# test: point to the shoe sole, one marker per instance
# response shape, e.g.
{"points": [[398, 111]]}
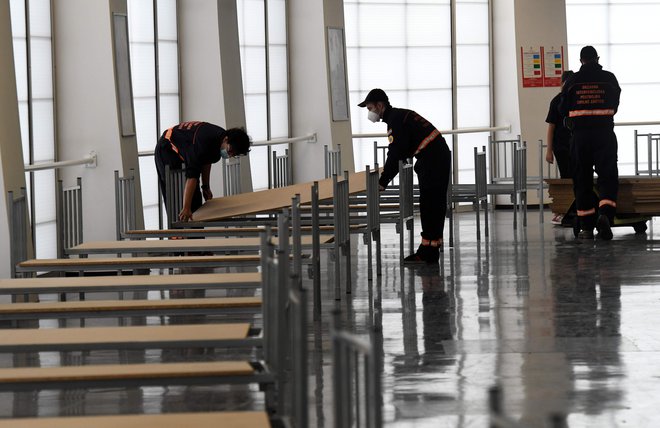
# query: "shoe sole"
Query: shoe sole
{"points": [[604, 228]]}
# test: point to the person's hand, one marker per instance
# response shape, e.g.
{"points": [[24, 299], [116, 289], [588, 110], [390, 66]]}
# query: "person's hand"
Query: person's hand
{"points": [[381, 188], [548, 157], [185, 214], [206, 192]]}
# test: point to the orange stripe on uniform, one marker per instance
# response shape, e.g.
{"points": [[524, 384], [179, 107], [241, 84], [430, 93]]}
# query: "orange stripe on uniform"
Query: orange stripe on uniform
{"points": [[599, 112], [607, 202], [425, 142], [168, 137], [584, 213]]}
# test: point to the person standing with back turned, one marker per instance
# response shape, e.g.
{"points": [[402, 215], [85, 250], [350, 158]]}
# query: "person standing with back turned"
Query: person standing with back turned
{"points": [[589, 101], [409, 135]]}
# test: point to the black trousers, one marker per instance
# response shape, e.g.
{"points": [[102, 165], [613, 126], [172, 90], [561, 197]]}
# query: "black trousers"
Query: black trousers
{"points": [[562, 152], [432, 168], [594, 149], [164, 155]]}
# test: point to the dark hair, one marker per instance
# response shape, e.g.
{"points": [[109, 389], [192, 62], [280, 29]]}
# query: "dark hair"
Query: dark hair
{"points": [[566, 75], [239, 140], [588, 53]]}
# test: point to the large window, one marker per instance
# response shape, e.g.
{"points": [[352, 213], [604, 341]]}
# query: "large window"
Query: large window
{"points": [[33, 61], [627, 40], [263, 45], [153, 40], [406, 49]]}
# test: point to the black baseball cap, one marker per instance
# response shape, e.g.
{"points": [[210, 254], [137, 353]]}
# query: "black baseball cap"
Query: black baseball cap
{"points": [[374, 96], [588, 53]]}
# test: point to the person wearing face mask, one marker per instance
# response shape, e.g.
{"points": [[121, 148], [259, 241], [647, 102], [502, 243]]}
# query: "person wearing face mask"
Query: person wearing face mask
{"points": [[197, 145], [409, 134]]}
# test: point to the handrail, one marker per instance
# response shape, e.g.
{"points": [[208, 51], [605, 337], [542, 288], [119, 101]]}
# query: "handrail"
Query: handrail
{"points": [[506, 128], [636, 123], [89, 162], [311, 138]]}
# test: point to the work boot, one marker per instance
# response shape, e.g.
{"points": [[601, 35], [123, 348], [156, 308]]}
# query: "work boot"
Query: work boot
{"points": [[586, 234], [425, 254], [604, 228]]}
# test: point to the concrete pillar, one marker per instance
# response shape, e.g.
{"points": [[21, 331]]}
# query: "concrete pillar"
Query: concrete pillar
{"points": [[11, 153], [88, 109], [310, 91], [211, 80]]}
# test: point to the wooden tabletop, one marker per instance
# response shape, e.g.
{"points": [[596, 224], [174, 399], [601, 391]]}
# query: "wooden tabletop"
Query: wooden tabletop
{"points": [[132, 334], [124, 282], [134, 305], [175, 245], [168, 420], [97, 372], [272, 199]]}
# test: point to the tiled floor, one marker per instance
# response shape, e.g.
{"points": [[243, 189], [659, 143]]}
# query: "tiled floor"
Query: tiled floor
{"points": [[563, 325]]}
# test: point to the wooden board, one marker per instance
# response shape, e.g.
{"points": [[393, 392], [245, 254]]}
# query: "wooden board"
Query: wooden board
{"points": [[168, 420], [132, 334], [272, 199], [175, 245], [97, 372], [129, 262], [637, 195], [130, 282], [133, 305]]}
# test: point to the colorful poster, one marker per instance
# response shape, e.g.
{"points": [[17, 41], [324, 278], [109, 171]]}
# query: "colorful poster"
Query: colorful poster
{"points": [[532, 75], [553, 65]]}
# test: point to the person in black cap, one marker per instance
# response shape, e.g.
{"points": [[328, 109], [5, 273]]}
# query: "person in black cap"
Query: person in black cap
{"points": [[589, 101], [197, 145], [409, 135]]}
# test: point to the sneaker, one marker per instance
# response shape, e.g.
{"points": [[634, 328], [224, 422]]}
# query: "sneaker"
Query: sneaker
{"points": [[604, 228], [556, 220], [586, 234], [424, 254]]}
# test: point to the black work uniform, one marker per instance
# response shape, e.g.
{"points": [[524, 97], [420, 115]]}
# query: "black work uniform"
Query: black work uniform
{"points": [[561, 138], [409, 135], [194, 144], [590, 99]]}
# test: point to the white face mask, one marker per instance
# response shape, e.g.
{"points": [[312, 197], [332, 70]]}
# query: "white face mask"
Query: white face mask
{"points": [[373, 116]]}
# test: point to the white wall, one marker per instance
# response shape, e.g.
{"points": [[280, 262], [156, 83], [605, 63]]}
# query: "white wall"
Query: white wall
{"points": [[309, 87], [11, 154], [87, 111]]}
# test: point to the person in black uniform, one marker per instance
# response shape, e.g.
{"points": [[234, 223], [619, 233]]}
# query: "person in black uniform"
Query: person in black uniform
{"points": [[558, 138], [409, 135], [589, 101], [197, 145]]}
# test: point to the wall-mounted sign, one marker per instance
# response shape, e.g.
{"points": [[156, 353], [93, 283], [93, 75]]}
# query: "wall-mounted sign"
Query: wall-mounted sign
{"points": [[532, 74], [553, 65]]}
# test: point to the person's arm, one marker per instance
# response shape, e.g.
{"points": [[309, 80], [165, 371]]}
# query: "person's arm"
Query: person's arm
{"points": [[395, 152], [549, 137], [206, 182], [188, 192]]}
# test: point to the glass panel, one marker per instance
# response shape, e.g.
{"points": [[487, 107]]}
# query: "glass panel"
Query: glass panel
{"points": [[254, 70], [145, 122], [17, 12], [169, 112], [41, 68], [167, 20], [45, 239], [278, 68], [40, 18], [259, 167], [143, 70], [279, 115], [251, 22], [428, 18], [277, 22], [255, 114], [429, 68], [472, 65], [20, 68], [43, 131], [373, 73], [44, 190], [384, 25], [140, 21], [168, 69], [471, 23]]}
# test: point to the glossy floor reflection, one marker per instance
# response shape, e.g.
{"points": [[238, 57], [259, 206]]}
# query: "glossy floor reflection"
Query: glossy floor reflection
{"points": [[563, 325]]}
